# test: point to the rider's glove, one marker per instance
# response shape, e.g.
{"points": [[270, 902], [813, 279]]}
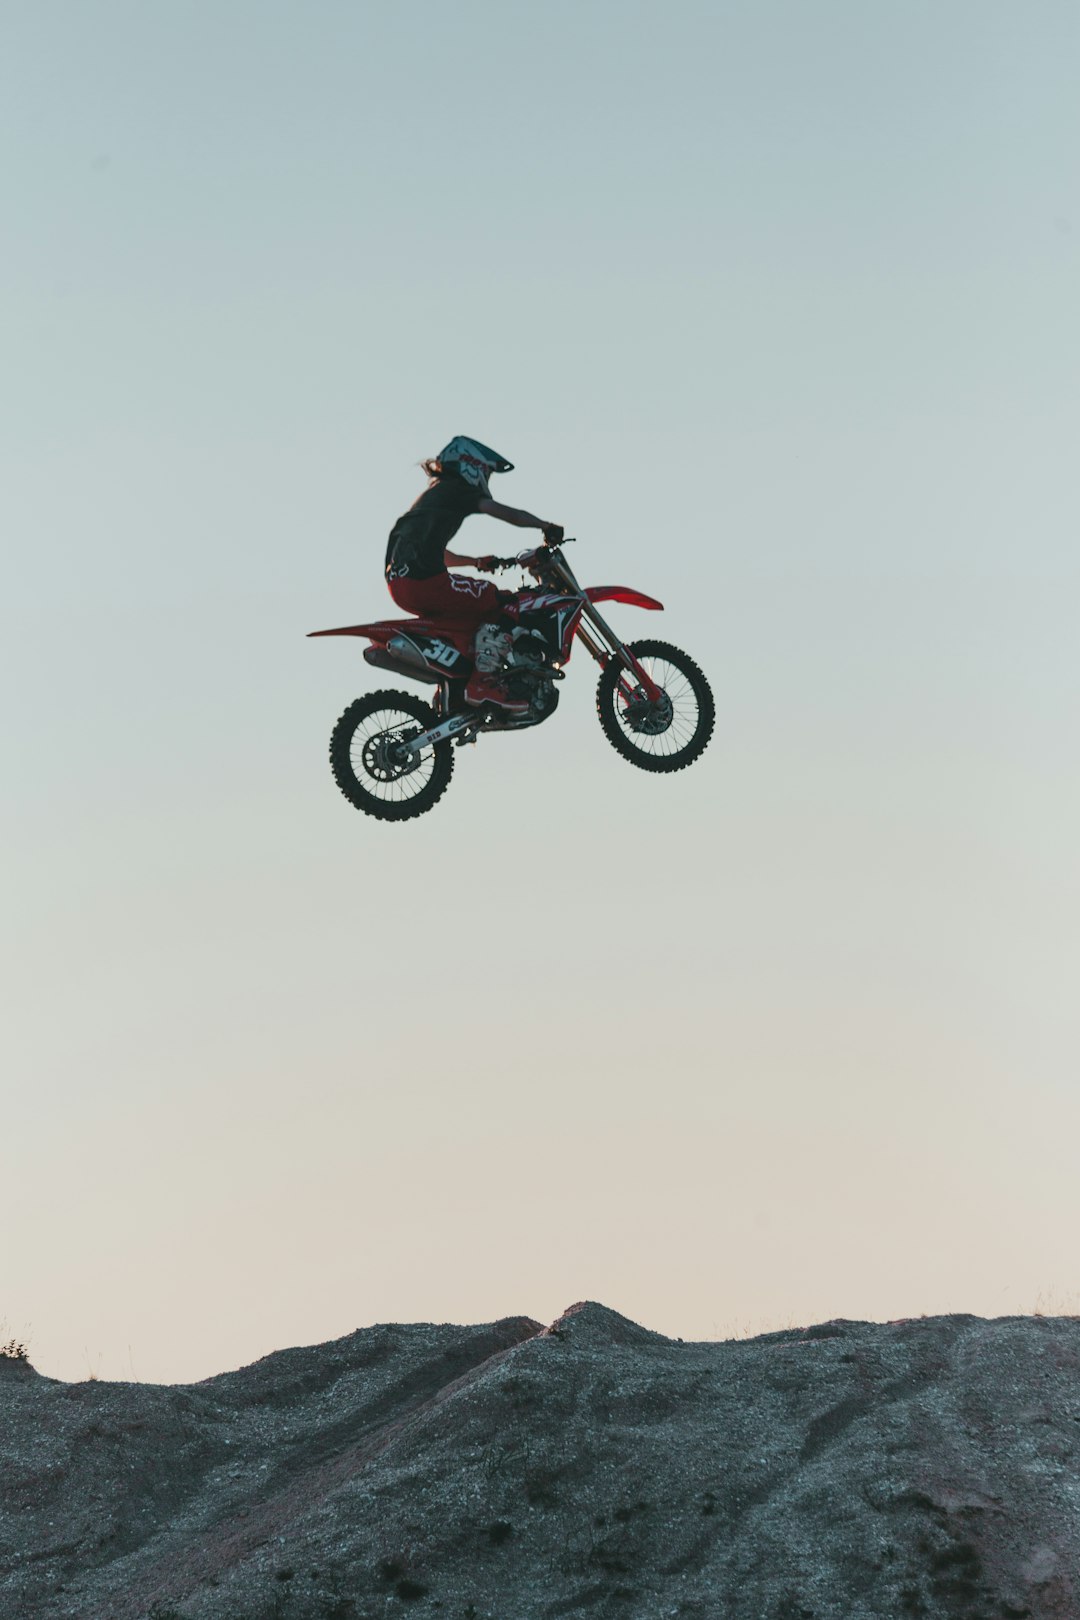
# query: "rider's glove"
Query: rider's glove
{"points": [[553, 533], [487, 565]]}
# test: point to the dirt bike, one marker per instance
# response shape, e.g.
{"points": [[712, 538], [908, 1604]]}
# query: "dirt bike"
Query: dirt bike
{"points": [[391, 753]]}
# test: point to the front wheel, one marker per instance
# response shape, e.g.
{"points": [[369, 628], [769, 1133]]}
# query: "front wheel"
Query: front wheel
{"points": [[658, 735], [372, 769]]}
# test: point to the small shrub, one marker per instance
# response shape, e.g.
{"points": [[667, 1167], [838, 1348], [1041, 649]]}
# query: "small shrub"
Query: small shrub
{"points": [[14, 1350], [540, 1483], [410, 1590], [956, 1572], [622, 1515]]}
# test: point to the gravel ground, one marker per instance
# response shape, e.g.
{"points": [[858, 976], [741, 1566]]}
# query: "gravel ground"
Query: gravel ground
{"points": [[853, 1470]]}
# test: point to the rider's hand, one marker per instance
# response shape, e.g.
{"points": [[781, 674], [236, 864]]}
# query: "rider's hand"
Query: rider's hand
{"points": [[487, 565], [553, 533]]}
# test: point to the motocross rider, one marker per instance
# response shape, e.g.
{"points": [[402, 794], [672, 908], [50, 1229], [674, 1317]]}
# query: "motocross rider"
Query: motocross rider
{"points": [[418, 560]]}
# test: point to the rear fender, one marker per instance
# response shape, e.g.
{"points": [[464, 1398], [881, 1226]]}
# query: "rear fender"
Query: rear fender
{"points": [[383, 631], [622, 593], [380, 631]]}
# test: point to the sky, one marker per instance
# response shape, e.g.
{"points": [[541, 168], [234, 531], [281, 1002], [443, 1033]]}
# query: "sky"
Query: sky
{"points": [[775, 307]]}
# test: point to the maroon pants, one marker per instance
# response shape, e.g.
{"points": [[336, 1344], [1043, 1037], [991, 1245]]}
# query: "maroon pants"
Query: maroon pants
{"points": [[452, 597]]}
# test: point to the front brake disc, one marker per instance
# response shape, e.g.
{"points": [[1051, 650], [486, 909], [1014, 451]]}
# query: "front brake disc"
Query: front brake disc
{"points": [[648, 719]]}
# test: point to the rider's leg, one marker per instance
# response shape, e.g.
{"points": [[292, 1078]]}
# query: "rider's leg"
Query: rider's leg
{"points": [[468, 602], [450, 596]]}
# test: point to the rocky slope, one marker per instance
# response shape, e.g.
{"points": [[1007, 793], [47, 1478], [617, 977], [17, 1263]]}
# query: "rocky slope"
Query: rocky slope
{"points": [[926, 1468]]}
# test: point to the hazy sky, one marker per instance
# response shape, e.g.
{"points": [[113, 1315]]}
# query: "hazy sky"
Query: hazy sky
{"points": [[776, 307]]}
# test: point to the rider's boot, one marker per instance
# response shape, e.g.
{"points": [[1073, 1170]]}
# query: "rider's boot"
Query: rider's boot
{"points": [[487, 687], [487, 684]]}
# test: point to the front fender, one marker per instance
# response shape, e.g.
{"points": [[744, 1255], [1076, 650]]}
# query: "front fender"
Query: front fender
{"points": [[622, 593]]}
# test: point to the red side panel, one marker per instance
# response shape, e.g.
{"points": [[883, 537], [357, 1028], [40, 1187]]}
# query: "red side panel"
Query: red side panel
{"points": [[621, 593]]}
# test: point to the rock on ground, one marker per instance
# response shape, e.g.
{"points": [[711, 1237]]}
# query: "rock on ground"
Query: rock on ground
{"points": [[851, 1470]]}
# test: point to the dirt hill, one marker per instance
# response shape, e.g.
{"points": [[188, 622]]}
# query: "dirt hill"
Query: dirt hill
{"points": [[850, 1470]]}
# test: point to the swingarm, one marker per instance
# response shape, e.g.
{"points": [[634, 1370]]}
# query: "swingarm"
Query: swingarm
{"points": [[451, 727]]}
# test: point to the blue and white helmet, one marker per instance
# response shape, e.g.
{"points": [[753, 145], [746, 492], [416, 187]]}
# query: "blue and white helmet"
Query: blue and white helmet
{"points": [[473, 461]]}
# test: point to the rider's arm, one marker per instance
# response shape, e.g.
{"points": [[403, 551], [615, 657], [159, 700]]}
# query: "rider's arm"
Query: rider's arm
{"points": [[513, 514], [508, 514]]}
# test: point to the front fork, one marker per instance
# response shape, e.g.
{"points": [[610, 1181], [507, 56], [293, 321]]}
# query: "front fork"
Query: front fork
{"points": [[615, 649]]}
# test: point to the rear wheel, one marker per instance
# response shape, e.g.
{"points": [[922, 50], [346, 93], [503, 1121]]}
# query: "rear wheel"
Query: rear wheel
{"points": [[659, 735], [372, 768]]}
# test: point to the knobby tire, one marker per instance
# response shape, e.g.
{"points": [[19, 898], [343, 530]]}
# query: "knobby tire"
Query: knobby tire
{"points": [[344, 768], [622, 738]]}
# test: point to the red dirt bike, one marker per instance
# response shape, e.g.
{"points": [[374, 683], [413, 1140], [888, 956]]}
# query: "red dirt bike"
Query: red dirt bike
{"points": [[391, 753]]}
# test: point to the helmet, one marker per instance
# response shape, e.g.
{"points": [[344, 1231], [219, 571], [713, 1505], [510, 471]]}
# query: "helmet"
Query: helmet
{"points": [[473, 461]]}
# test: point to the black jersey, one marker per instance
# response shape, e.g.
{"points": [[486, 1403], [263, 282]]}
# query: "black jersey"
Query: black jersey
{"points": [[421, 535]]}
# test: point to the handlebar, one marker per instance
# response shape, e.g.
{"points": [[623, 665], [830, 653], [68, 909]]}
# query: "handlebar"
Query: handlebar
{"points": [[524, 559]]}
